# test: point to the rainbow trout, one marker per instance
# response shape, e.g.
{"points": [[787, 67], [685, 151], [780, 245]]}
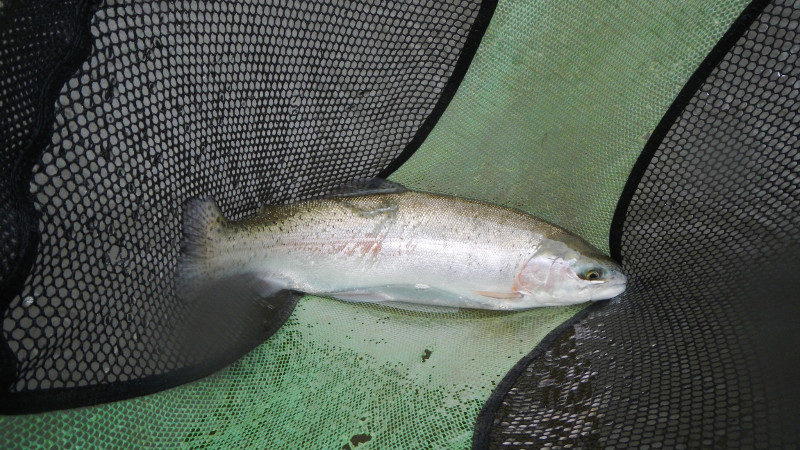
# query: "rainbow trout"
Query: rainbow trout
{"points": [[379, 242]]}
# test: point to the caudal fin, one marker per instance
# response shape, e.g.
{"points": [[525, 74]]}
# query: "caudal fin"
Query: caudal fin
{"points": [[202, 226], [225, 310]]}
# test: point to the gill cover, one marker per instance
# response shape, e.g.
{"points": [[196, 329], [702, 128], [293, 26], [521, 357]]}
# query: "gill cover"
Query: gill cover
{"points": [[558, 274]]}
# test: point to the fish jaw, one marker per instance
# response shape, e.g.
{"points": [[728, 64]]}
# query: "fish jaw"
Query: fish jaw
{"points": [[614, 286], [608, 291], [578, 294]]}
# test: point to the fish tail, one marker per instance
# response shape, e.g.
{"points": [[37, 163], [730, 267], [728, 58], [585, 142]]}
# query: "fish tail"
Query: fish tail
{"points": [[221, 304], [203, 223]]}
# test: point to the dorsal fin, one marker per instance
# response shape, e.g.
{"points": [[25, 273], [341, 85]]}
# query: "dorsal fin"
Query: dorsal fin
{"points": [[367, 186]]}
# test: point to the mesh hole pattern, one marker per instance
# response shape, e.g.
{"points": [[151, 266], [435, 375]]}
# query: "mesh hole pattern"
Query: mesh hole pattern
{"points": [[699, 351], [247, 102]]}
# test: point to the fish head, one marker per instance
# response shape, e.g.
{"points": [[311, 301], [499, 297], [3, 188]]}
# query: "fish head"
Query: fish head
{"points": [[569, 270]]}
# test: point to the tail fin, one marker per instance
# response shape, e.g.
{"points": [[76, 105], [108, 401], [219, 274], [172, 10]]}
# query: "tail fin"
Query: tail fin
{"points": [[202, 223], [223, 311], [202, 226]]}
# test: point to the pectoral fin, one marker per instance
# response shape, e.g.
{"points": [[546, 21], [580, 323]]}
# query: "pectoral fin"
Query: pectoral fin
{"points": [[500, 295]]}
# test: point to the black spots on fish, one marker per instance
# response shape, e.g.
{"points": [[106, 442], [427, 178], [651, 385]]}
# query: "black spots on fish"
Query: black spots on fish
{"points": [[368, 207], [426, 354], [357, 440]]}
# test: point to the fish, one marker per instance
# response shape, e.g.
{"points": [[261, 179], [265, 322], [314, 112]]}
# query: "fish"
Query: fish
{"points": [[379, 242]]}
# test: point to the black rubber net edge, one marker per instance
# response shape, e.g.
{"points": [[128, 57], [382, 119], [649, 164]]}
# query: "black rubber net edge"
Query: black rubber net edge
{"points": [[483, 425], [471, 45], [63, 398]]}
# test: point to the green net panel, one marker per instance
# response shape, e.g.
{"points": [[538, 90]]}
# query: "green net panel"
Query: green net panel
{"points": [[152, 103], [320, 383], [700, 352], [560, 101]]}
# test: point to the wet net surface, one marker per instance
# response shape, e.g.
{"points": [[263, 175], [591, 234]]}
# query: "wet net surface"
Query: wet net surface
{"points": [[247, 102], [699, 352]]}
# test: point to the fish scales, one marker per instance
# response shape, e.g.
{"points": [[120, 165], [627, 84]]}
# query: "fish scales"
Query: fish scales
{"points": [[408, 246]]}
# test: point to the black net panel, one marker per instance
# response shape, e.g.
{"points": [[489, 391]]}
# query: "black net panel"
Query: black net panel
{"points": [[27, 73], [700, 351], [248, 102]]}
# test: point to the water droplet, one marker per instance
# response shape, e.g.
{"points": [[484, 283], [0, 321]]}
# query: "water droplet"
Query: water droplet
{"points": [[106, 368], [28, 301], [113, 254], [116, 350]]}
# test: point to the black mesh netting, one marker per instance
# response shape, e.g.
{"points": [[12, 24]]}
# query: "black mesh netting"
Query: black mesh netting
{"points": [[27, 73], [700, 352], [138, 106]]}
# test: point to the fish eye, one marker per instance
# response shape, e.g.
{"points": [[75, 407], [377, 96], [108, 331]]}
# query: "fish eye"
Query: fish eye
{"points": [[592, 274]]}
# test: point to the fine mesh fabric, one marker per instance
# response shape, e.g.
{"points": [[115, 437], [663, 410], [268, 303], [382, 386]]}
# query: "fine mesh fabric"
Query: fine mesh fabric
{"points": [[560, 101], [246, 102], [701, 350]]}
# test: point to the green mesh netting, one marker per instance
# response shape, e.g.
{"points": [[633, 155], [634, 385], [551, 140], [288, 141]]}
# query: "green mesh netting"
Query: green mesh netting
{"points": [[333, 375], [551, 116], [560, 100]]}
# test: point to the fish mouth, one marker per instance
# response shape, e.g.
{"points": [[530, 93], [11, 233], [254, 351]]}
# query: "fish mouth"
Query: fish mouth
{"points": [[610, 289]]}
